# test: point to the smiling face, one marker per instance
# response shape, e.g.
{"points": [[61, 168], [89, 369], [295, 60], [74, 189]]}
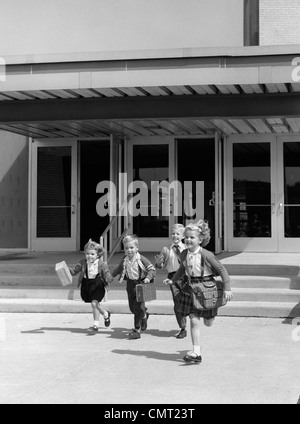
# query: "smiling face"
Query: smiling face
{"points": [[91, 255], [130, 249], [192, 240], [176, 236]]}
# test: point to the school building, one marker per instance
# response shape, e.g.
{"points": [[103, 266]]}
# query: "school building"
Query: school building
{"points": [[202, 92]]}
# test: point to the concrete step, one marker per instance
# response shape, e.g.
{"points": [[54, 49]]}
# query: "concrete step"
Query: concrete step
{"points": [[246, 281], [160, 307], [272, 270], [240, 294]]}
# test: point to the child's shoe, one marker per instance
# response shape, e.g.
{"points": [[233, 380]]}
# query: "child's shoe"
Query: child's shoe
{"points": [[95, 328], [144, 322], [107, 320], [134, 335], [182, 334], [192, 357]]}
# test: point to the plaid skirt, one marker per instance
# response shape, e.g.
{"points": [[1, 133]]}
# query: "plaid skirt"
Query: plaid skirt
{"points": [[185, 305]]}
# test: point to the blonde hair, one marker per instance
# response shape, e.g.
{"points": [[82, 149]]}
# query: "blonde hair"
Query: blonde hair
{"points": [[129, 238], [92, 245], [202, 228], [179, 228]]}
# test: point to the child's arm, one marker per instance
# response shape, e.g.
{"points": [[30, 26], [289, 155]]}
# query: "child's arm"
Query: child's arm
{"points": [[177, 276], [151, 271], [162, 258], [76, 268], [118, 270], [106, 274], [220, 270]]}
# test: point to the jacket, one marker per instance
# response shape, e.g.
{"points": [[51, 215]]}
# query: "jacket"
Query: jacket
{"points": [[80, 268]]}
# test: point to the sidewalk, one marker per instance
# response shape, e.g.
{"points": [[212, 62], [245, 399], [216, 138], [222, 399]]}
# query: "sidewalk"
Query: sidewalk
{"points": [[54, 359]]}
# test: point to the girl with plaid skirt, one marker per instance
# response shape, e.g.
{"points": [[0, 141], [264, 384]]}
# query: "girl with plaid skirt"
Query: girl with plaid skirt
{"points": [[192, 260]]}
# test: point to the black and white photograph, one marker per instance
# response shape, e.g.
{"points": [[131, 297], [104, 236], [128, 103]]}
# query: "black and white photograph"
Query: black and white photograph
{"points": [[150, 205]]}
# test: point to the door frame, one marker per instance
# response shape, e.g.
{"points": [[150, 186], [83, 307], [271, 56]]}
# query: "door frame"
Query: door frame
{"points": [[284, 244], [151, 244], [45, 243], [155, 244], [250, 244]]}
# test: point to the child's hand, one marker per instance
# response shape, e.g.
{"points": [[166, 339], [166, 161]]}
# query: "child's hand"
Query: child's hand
{"points": [[228, 295], [168, 282], [159, 260], [146, 280]]}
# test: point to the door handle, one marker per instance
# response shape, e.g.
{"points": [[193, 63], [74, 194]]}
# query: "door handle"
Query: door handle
{"points": [[280, 208]]}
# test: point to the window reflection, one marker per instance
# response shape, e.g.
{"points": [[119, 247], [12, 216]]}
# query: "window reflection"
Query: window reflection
{"points": [[251, 190]]}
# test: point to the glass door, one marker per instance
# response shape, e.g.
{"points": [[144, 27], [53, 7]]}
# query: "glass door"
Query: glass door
{"points": [[288, 207], [251, 194], [150, 176], [54, 195]]}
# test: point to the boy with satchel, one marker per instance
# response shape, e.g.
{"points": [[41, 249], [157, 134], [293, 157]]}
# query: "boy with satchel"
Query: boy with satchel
{"points": [[135, 268], [200, 296]]}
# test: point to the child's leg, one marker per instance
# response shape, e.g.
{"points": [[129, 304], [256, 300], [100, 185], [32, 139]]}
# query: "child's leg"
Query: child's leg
{"points": [[208, 322], [105, 314], [102, 310], [195, 330], [96, 313], [194, 356]]}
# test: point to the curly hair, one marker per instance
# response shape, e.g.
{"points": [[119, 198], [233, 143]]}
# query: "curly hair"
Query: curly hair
{"points": [[203, 230], [92, 245]]}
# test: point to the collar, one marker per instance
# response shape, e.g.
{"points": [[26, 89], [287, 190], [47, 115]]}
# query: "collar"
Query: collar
{"points": [[198, 250]]}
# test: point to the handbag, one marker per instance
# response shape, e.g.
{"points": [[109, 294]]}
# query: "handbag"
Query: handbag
{"points": [[145, 292], [208, 293]]}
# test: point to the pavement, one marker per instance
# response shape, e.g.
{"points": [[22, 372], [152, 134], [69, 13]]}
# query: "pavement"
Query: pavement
{"points": [[53, 358], [48, 355]]}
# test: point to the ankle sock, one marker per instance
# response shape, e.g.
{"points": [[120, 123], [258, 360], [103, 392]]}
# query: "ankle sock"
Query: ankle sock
{"points": [[96, 323], [197, 350]]}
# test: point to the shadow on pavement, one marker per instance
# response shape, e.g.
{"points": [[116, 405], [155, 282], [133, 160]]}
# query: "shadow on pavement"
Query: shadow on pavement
{"points": [[152, 354], [116, 333]]}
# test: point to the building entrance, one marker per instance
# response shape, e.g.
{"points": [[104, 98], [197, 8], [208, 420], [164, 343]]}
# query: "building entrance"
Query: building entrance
{"points": [[263, 193], [190, 168]]}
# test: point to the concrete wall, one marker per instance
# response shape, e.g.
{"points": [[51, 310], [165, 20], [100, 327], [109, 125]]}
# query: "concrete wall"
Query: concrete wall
{"points": [[13, 190], [60, 26], [279, 22]]}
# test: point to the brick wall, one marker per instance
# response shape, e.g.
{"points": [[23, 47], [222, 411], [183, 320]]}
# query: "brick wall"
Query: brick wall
{"points": [[279, 22]]}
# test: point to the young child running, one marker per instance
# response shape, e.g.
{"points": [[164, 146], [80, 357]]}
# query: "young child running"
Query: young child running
{"points": [[93, 280], [169, 258], [191, 266], [133, 268]]}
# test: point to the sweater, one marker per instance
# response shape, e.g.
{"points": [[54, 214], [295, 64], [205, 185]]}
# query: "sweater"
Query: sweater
{"points": [[211, 263], [147, 270]]}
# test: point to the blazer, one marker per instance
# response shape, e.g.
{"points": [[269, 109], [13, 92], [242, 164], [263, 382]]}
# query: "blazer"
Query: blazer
{"points": [[211, 263], [80, 268]]}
